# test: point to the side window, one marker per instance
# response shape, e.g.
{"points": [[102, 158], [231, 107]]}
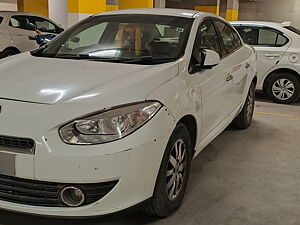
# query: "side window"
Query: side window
{"points": [[207, 38], [272, 38], [43, 24], [237, 39], [1, 19], [228, 37], [21, 22], [249, 35]]}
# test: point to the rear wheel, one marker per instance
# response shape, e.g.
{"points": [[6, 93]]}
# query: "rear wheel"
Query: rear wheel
{"points": [[9, 52], [244, 119], [283, 88], [173, 175]]}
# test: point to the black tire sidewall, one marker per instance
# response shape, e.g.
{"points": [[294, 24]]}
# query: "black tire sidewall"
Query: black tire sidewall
{"points": [[8, 53], [288, 76], [167, 206]]}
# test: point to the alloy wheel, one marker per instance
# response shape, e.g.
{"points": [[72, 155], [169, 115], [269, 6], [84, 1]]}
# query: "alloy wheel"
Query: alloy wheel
{"points": [[176, 171], [283, 89]]}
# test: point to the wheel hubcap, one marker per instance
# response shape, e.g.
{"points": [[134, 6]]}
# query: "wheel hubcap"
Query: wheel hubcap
{"points": [[283, 89], [176, 170]]}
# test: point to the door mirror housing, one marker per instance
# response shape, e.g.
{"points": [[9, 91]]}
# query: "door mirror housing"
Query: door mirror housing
{"points": [[209, 59]]}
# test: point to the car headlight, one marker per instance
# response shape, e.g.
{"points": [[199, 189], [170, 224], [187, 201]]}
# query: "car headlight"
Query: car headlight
{"points": [[109, 125]]}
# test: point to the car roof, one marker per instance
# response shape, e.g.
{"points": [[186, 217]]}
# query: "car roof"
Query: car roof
{"points": [[259, 23], [10, 13], [166, 12]]}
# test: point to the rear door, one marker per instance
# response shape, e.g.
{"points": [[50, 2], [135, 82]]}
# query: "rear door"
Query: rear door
{"points": [[270, 46], [237, 61]]}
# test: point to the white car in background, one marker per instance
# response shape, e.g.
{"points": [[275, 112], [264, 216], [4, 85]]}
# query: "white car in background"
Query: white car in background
{"points": [[278, 52], [17, 30], [111, 112]]}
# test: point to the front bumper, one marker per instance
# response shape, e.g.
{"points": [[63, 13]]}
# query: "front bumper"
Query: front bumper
{"points": [[134, 161]]}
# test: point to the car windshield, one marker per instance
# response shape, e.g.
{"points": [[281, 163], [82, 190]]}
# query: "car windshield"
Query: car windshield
{"points": [[295, 30], [138, 39]]}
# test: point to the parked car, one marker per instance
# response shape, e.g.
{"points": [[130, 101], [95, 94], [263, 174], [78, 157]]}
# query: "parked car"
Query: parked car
{"points": [[278, 50], [17, 30], [130, 97]]}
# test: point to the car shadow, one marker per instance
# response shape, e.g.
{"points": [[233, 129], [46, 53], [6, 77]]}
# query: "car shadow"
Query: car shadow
{"points": [[263, 98]]}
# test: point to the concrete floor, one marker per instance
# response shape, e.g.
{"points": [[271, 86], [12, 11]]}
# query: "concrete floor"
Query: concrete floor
{"points": [[249, 177]]}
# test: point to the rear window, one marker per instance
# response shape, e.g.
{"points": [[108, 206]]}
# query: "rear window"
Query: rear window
{"points": [[1, 19], [295, 30]]}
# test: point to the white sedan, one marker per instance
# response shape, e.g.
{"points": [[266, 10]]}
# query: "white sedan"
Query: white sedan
{"points": [[111, 113], [278, 51], [18, 29]]}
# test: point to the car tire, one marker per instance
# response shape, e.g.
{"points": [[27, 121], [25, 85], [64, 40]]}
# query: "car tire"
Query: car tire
{"points": [[244, 119], [281, 85], [8, 53], [168, 194]]}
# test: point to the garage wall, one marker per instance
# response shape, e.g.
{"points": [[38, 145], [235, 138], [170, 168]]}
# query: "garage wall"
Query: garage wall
{"points": [[133, 4], [8, 5], [34, 6], [271, 10]]}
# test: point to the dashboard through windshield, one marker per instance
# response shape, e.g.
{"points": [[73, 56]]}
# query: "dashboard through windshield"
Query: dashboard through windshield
{"points": [[140, 39]]}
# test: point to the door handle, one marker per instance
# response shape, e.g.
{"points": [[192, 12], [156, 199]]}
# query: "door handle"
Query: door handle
{"points": [[272, 56], [229, 77]]}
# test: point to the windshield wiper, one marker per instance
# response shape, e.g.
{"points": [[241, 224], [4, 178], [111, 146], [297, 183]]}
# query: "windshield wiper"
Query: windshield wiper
{"points": [[145, 59]]}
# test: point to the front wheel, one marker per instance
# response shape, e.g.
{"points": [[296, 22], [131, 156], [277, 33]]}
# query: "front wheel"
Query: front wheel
{"points": [[244, 119], [8, 53], [173, 175], [283, 88]]}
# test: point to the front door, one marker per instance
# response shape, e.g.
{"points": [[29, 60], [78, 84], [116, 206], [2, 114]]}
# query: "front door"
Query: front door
{"points": [[214, 83]]}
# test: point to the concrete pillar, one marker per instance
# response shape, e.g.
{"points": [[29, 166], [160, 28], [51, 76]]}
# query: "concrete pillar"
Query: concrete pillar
{"points": [[134, 4], [232, 12], [58, 10], [209, 6], [81, 9], [34, 6], [160, 4]]}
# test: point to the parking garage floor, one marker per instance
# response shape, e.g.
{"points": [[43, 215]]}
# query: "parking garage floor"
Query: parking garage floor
{"points": [[249, 177]]}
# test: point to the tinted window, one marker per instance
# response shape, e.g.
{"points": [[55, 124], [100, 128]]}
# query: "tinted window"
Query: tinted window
{"points": [[1, 19], [249, 35], [43, 25], [21, 22], [295, 30], [262, 36], [228, 36], [207, 38]]}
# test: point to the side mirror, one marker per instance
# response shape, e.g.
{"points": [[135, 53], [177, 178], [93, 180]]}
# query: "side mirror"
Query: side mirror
{"points": [[209, 59], [75, 39]]}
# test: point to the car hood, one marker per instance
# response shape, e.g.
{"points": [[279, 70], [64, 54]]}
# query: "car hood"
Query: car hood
{"points": [[53, 81]]}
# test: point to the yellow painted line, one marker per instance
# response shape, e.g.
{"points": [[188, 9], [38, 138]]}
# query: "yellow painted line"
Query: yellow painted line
{"points": [[278, 115]]}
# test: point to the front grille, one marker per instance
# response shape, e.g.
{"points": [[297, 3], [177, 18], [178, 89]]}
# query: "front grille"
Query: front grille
{"points": [[22, 145], [47, 194]]}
